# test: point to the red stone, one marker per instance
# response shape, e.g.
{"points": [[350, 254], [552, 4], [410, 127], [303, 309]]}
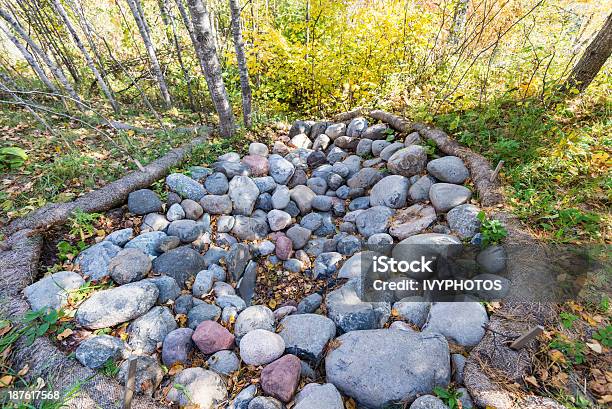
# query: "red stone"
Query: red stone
{"points": [[284, 247], [280, 379], [258, 164], [211, 337]]}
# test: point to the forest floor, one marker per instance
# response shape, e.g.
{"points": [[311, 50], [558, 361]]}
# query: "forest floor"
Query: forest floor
{"points": [[556, 177]]}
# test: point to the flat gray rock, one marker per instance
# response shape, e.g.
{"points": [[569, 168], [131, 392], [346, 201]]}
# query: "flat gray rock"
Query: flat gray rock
{"points": [[177, 347], [391, 191], [260, 347], [315, 396], [224, 362], [349, 313], [180, 263], [306, 335], [408, 161], [167, 286], [243, 192], [460, 322], [380, 367], [374, 220], [96, 351], [94, 260], [144, 201], [412, 220], [428, 402], [419, 191], [185, 186], [249, 228], [217, 204], [114, 306], [149, 330], [445, 196], [52, 291], [448, 169], [356, 127], [216, 184], [365, 178], [280, 169], [463, 220], [202, 312], [120, 237], [129, 265]]}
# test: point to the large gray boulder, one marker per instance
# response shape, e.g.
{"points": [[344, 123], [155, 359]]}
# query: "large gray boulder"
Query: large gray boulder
{"points": [[306, 335], [391, 191], [381, 367], [96, 351], [148, 331], [147, 242], [180, 263], [144, 201], [463, 220], [280, 169], [412, 220], [52, 291], [374, 220], [243, 192], [114, 306], [460, 322], [408, 161], [448, 169]]}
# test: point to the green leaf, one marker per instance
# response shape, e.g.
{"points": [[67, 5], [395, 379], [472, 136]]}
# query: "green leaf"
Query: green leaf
{"points": [[14, 151]]}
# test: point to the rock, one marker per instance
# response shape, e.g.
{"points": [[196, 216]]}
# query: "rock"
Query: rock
{"points": [[283, 247], [244, 397], [458, 363], [199, 173], [306, 335], [356, 127], [217, 184], [216, 204], [346, 143], [374, 132], [211, 337], [299, 127], [335, 130], [415, 312], [144, 201], [322, 203], [148, 374], [376, 241], [214, 255], [378, 146], [231, 169], [448, 169], [315, 396], [429, 245], [492, 259], [264, 402], [187, 230], [401, 326], [256, 148], [391, 191], [260, 347], [463, 220], [150, 329], [408, 161], [327, 227], [336, 154], [280, 379], [321, 143], [445, 196], [347, 227], [359, 203], [120, 237], [460, 322], [258, 165], [312, 221], [317, 184], [228, 316], [428, 402], [348, 245], [386, 153], [175, 212], [198, 387], [254, 317], [249, 228], [280, 148], [364, 147], [224, 362], [303, 197], [246, 285], [315, 159], [177, 347], [299, 236], [373, 163], [412, 220], [349, 313], [153, 222], [95, 260], [278, 220], [225, 224], [466, 400], [365, 178], [52, 291], [180, 264], [129, 265], [192, 209], [185, 186], [280, 198], [265, 184], [326, 264], [222, 289], [237, 259], [419, 191], [281, 169], [230, 157], [172, 198], [230, 300], [310, 304], [96, 351], [202, 312], [114, 306], [203, 283], [334, 181], [243, 192], [374, 220], [372, 366], [301, 141]]}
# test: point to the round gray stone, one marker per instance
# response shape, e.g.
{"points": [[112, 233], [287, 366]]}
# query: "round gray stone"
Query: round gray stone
{"points": [[448, 169]]}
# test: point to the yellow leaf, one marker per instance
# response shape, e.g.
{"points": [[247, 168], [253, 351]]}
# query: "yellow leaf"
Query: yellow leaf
{"points": [[23, 370], [6, 380], [556, 356], [272, 304], [532, 380], [64, 334]]}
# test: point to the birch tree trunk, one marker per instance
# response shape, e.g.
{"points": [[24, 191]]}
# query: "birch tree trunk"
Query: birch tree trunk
{"points": [[594, 57], [57, 71], [206, 52], [459, 20], [245, 87], [31, 60], [143, 28], [103, 85]]}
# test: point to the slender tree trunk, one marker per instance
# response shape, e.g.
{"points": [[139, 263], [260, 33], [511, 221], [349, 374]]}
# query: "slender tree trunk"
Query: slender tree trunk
{"points": [[205, 50], [594, 57], [143, 27], [31, 60], [77, 8], [459, 21], [57, 72], [245, 87], [77, 40]]}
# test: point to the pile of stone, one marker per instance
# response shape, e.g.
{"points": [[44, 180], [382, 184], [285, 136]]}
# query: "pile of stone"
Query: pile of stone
{"points": [[325, 193]]}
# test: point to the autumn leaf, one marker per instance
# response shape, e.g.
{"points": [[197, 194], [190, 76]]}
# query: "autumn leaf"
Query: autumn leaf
{"points": [[6, 380], [64, 334], [532, 380]]}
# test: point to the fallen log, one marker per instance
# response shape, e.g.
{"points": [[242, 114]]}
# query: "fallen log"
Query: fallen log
{"points": [[109, 196]]}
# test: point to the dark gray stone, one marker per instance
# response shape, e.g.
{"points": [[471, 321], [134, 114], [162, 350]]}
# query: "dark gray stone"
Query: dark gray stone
{"points": [[144, 201], [185, 186], [306, 335], [180, 264], [96, 351]]}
